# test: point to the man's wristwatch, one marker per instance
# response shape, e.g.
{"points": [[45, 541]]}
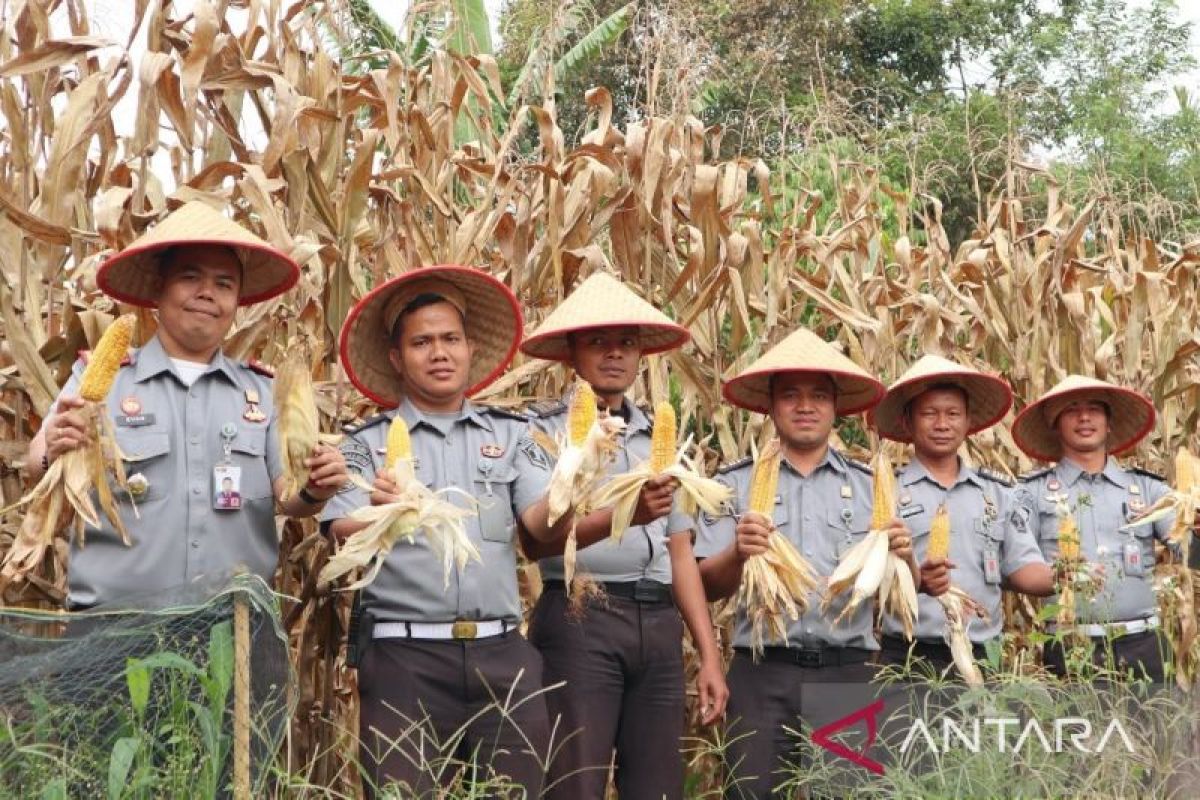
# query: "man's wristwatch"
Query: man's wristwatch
{"points": [[309, 498]]}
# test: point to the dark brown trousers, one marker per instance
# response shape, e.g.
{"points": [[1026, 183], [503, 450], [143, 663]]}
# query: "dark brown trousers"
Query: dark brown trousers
{"points": [[622, 661], [769, 704], [429, 707], [1140, 652]]}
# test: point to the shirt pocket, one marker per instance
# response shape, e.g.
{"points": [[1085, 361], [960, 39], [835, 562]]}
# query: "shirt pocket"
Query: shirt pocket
{"points": [[144, 452], [848, 527], [248, 452], [494, 496]]}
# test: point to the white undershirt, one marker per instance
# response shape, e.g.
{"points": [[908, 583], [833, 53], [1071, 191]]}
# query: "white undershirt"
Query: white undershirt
{"points": [[188, 371]]}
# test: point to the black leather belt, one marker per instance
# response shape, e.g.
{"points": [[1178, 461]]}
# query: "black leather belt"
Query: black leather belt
{"points": [[928, 648], [810, 656], [641, 591]]}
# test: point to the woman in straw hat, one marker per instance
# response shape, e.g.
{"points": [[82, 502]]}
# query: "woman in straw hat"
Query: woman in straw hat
{"points": [[419, 345], [621, 656], [187, 417], [935, 406], [1080, 424], [823, 507]]}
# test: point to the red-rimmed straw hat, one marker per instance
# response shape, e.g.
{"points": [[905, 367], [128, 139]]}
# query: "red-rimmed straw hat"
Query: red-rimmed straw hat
{"points": [[988, 396], [133, 275], [491, 317], [1130, 416], [804, 351], [602, 301]]}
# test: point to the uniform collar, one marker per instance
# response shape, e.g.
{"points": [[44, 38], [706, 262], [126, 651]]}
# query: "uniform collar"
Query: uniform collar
{"points": [[1070, 472], [152, 360], [635, 419], [915, 471], [833, 460], [470, 412]]}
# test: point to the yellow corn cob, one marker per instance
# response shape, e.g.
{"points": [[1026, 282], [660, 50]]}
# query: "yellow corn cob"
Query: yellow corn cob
{"points": [[764, 481], [1068, 538], [939, 535], [1185, 471], [884, 507], [662, 440], [102, 367], [399, 445], [582, 414]]}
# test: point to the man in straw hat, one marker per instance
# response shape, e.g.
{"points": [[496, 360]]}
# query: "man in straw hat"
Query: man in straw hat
{"points": [[824, 507], [620, 655], [1080, 424], [935, 406], [443, 659], [187, 417]]}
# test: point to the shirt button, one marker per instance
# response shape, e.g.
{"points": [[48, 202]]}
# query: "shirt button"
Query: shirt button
{"points": [[195, 544], [195, 440], [195, 490], [448, 442]]}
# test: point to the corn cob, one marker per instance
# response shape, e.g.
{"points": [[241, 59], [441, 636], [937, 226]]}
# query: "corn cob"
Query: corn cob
{"points": [[1068, 537], [298, 422], [1185, 471], [102, 367], [884, 490], [939, 535], [582, 414], [764, 481], [662, 440], [399, 444]]}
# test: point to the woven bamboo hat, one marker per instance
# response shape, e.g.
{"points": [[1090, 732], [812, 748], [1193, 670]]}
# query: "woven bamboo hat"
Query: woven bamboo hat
{"points": [[988, 396], [132, 275], [804, 351], [490, 314], [1130, 416], [602, 301]]}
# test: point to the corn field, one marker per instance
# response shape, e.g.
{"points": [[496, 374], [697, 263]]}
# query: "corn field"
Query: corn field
{"points": [[362, 173]]}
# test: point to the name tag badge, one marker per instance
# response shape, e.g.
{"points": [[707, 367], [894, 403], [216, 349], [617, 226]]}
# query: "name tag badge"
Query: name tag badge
{"points": [[991, 566], [1132, 559], [135, 420], [227, 487], [911, 511]]}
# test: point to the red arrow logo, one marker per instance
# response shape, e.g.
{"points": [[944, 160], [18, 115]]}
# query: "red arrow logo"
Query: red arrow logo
{"points": [[869, 713]]}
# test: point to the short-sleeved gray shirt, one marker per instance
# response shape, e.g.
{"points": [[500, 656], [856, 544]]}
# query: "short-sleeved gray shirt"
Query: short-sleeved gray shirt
{"points": [[171, 435], [985, 522], [490, 455], [1102, 503], [823, 515], [642, 551]]}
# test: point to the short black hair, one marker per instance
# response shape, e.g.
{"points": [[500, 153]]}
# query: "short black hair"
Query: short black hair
{"points": [[416, 304], [167, 254], [944, 386]]}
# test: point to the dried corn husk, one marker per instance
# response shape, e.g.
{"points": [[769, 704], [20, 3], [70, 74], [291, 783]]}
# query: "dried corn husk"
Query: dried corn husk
{"points": [[297, 423], [699, 492], [775, 586], [418, 510], [960, 608], [585, 449], [61, 501], [870, 569]]}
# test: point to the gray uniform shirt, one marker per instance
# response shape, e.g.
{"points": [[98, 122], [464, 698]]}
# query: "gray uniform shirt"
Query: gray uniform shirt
{"points": [[1102, 503], [172, 435], [486, 453], [987, 524], [642, 551], [823, 515]]}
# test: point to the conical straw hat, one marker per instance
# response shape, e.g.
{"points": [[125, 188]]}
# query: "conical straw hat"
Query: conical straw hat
{"points": [[988, 396], [602, 301], [804, 351], [490, 314], [132, 275], [1130, 418]]}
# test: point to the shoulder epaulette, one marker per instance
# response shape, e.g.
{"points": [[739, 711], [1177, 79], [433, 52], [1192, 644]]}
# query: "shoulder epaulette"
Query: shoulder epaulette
{"points": [[1147, 473], [998, 477], [128, 360], [732, 465], [861, 466], [266, 370], [546, 408], [352, 428], [508, 413], [1033, 476]]}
